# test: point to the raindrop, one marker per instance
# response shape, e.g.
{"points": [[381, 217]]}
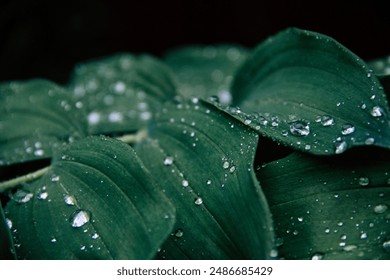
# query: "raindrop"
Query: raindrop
{"points": [[184, 183], [119, 87], [363, 235], [69, 200], [340, 224], [42, 195], [369, 141], [347, 129], [53, 240], [79, 218], [9, 223], [226, 165], [247, 121], [343, 237], [232, 169], [327, 230], [386, 246], [327, 121], [273, 253], [376, 111], [349, 248], [364, 181], [208, 182], [317, 256], [93, 118], [168, 161], [39, 153], [199, 201], [55, 178], [380, 208], [21, 196], [115, 117], [299, 128], [340, 147], [95, 236], [179, 233], [300, 219]]}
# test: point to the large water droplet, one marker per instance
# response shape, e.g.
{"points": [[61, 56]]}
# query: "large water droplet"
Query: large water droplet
{"points": [[226, 165], [299, 128], [364, 181], [340, 147], [347, 129], [380, 208], [317, 256], [168, 161], [369, 141], [79, 218], [327, 121], [70, 200], [376, 111], [22, 196]]}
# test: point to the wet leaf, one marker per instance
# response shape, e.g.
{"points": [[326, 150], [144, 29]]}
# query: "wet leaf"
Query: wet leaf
{"points": [[305, 90], [35, 117], [97, 202], [204, 71], [203, 160], [330, 208], [121, 92]]}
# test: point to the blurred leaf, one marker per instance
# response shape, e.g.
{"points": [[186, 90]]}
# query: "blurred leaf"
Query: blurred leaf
{"points": [[97, 202], [330, 208], [204, 71], [35, 117], [6, 245], [380, 66], [121, 92], [203, 160], [305, 90]]}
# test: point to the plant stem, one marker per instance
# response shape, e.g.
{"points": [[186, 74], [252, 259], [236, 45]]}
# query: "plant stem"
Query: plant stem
{"points": [[6, 185], [133, 138]]}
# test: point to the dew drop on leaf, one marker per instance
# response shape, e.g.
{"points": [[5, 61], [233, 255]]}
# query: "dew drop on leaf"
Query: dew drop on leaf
{"points": [[376, 111], [55, 178], [168, 161], [95, 236], [179, 233], [347, 129], [349, 248], [340, 147], [9, 223], [22, 196], [364, 181], [79, 218], [42, 195], [386, 246], [363, 235], [69, 200], [198, 201], [184, 183], [208, 182], [327, 121], [380, 208], [317, 256], [369, 141], [299, 128], [226, 165]]}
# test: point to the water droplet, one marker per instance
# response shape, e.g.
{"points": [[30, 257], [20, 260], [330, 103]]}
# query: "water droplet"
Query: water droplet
{"points": [[119, 87], [273, 253], [199, 201], [364, 181], [55, 178], [232, 169], [342, 244], [115, 117], [69, 200], [349, 248], [299, 128], [39, 153], [42, 195], [247, 121], [53, 240], [380, 208], [79, 218], [95, 236], [327, 230], [226, 165], [340, 224], [93, 118], [317, 256], [82, 248], [168, 161], [22, 196], [179, 233], [369, 141], [300, 219], [184, 183], [363, 235], [295, 232], [340, 147], [386, 246], [279, 241], [208, 182], [327, 121], [347, 129], [376, 111], [9, 223], [343, 237]]}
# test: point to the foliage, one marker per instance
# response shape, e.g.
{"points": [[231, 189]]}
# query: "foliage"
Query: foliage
{"points": [[213, 152]]}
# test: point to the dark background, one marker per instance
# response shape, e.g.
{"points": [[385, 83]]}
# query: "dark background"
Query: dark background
{"points": [[45, 38]]}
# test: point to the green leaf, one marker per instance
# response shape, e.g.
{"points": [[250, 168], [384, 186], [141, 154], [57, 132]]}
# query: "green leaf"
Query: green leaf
{"points": [[305, 90], [97, 202], [205, 71], [35, 117], [203, 160], [6, 246], [121, 92], [328, 208]]}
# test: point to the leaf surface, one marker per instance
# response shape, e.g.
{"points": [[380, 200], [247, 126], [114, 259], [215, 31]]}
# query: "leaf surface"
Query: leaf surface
{"points": [[97, 202], [203, 160], [328, 208], [307, 91]]}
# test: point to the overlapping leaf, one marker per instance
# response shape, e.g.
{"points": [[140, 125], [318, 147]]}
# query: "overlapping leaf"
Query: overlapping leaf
{"points": [[36, 116], [121, 92], [307, 91], [6, 246], [97, 202], [205, 71], [203, 159], [325, 208]]}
